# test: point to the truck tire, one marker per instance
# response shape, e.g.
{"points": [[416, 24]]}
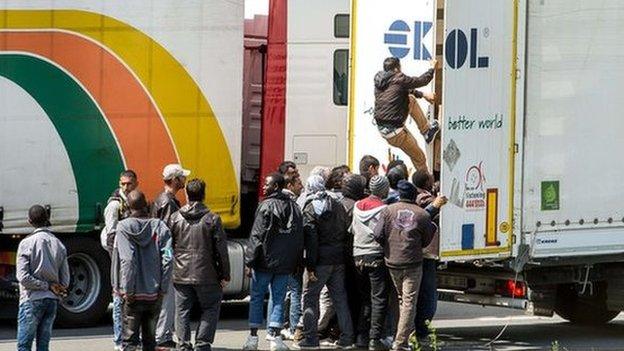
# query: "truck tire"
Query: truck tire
{"points": [[89, 292], [584, 310]]}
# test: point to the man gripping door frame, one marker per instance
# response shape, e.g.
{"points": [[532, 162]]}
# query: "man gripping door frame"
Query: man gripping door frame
{"points": [[395, 98]]}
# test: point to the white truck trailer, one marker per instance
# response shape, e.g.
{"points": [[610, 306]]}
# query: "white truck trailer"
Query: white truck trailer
{"points": [[88, 89], [531, 119]]}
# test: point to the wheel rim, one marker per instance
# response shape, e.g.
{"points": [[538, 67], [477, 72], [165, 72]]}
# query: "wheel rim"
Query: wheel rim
{"points": [[84, 285]]}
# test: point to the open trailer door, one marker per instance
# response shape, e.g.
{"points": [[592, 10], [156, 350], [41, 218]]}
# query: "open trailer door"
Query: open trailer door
{"points": [[479, 129]]}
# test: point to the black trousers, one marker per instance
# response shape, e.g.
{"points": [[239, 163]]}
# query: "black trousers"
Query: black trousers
{"points": [[139, 323], [373, 286]]}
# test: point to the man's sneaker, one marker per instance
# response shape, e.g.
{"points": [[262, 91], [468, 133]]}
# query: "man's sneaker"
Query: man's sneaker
{"points": [[342, 345], [287, 334], [117, 348], [434, 128], [397, 347], [277, 344], [166, 346], [378, 345], [388, 341], [306, 345], [251, 343]]}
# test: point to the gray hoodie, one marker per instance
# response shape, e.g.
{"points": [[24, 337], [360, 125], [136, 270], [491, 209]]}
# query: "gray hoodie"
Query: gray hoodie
{"points": [[363, 226], [142, 258]]}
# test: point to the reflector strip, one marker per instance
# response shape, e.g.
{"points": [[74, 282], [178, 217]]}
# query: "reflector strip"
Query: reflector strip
{"points": [[491, 219]]}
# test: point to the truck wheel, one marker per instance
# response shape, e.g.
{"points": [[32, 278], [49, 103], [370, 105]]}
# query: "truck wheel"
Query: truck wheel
{"points": [[89, 292], [584, 310]]}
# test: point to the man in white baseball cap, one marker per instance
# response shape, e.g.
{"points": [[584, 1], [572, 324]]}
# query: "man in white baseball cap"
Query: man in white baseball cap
{"points": [[174, 170], [163, 208]]}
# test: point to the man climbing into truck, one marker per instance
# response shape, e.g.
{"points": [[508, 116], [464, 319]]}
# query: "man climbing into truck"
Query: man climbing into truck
{"points": [[395, 98]]}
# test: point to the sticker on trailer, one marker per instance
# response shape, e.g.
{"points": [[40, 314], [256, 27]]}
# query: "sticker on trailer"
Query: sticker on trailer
{"points": [[476, 132], [381, 29]]}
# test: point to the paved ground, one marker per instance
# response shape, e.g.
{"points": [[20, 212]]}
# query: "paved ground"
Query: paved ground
{"points": [[459, 327]]}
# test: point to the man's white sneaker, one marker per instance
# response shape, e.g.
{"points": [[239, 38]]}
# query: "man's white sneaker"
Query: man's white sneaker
{"points": [[287, 335], [277, 344], [251, 343]]}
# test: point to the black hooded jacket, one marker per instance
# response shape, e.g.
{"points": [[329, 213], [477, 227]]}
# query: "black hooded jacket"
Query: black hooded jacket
{"points": [[352, 190], [199, 246], [325, 225], [391, 96], [276, 239]]}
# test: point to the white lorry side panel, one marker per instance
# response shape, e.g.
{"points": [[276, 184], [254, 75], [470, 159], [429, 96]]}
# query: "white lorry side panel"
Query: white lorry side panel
{"points": [[479, 110], [37, 156], [317, 76], [157, 82], [573, 188], [380, 29]]}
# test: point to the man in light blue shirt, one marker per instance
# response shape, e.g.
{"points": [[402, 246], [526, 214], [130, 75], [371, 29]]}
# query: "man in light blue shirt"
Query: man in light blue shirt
{"points": [[43, 276]]}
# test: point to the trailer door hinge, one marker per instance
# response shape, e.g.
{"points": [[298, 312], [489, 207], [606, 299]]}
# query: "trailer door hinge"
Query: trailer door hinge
{"points": [[1, 217], [516, 148]]}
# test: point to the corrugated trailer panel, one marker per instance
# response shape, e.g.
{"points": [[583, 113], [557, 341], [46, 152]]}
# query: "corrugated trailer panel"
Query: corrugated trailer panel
{"points": [[573, 190]]}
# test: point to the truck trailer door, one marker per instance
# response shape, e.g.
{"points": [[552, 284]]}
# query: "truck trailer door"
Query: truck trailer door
{"points": [[478, 129]]}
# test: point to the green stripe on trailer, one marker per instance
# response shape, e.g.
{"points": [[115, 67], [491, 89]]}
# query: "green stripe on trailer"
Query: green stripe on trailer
{"points": [[90, 144]]}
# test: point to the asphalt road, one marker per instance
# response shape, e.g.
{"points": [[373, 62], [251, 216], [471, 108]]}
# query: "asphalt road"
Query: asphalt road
{"points": [[459, 327]]}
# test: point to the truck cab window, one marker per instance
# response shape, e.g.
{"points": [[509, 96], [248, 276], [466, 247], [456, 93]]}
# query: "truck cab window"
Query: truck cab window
{"points": [[341, 77]]}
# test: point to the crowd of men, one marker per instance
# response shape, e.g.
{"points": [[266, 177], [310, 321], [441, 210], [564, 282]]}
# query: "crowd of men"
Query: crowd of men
{"points": [[372, 233], [165, 259]]}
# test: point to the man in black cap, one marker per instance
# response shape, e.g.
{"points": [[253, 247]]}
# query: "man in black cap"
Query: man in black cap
{"points": [[403, 230]]}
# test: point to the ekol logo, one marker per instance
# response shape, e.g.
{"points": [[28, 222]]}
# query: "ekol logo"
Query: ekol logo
{"points": [[457, 50], [398, 35]]}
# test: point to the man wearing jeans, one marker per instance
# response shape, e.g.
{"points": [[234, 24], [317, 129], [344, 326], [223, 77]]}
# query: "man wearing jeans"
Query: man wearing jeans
{"points": [[115, 211], [394, 100], [275, 248], [293, 189], [43, 276], [326, 240], [403, 230]]}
